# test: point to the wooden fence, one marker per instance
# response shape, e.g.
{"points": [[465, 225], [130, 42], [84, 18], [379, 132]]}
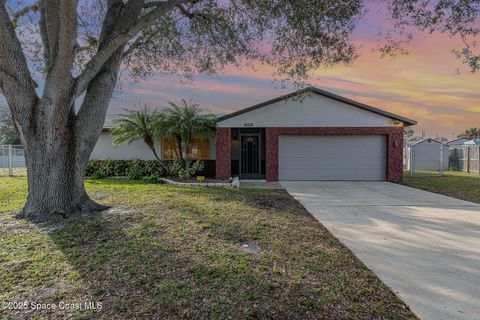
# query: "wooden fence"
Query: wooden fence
{"points": [[465, 158]]}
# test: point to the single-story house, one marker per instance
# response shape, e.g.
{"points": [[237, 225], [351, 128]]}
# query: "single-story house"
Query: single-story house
{"points": [[473, 142], [310, 134], [457, 142], [425, 155]]}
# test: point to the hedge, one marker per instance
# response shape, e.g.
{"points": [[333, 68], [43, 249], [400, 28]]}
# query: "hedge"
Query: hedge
{"points": [[123, 168], [142, 168]]}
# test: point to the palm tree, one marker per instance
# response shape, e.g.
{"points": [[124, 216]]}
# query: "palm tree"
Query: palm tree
{"points": [[181, 122], [471, 133], [137, 124]]}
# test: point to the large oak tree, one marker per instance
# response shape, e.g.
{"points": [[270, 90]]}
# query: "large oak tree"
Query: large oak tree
{"points": [[84, 44], [77, 48]]}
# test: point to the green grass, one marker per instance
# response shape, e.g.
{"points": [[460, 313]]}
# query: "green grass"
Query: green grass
{"points": [[173, 252], [456, 184]]}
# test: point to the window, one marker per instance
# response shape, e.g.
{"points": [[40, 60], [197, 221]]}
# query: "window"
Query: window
{"points": [[169, 149], [199, 148]]}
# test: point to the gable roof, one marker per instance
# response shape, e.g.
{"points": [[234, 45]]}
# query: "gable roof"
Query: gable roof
{"points": [[473, 141], [458, 141], [324, 93], [427, 140]]}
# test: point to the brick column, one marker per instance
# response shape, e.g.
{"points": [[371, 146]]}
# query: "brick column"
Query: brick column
{"points": [[223, 164], [271, 154], [395, 155]]}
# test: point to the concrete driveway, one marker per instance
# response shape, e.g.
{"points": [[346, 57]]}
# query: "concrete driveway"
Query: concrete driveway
{"points": [[424, 246]]}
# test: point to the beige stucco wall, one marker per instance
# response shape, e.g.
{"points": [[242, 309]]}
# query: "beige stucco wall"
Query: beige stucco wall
{"points": [[104, 149], [311, 110]]}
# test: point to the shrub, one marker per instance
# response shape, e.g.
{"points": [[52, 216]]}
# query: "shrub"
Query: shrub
{"points": [[135, 172], [121, 168], [180, 169], [138, 169], [99, 174], [152, 179]]}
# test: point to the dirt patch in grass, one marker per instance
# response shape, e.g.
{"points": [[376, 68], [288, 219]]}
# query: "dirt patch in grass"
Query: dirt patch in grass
{"points": [[167, 252], [275, 200]]}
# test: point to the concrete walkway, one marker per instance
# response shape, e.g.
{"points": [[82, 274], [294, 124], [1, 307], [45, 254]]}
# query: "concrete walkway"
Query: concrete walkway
{"points": [[260, 184], [424, 246]]}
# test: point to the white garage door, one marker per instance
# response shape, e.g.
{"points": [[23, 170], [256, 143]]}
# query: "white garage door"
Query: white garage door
{"points": [[332, 158]]}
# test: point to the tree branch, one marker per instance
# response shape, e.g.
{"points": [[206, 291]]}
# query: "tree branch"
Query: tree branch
{"points": [[138, 42], [61, 27], [20, 13], [117, 40], [191, 15], [15, 79], [44, 33], [153, 4]]}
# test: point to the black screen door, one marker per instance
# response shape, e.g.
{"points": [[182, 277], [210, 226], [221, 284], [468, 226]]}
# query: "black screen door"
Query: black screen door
{"points": [[250, 156]]}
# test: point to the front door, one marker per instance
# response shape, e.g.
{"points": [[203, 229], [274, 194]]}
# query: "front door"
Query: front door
{"points": [[250, 165]]}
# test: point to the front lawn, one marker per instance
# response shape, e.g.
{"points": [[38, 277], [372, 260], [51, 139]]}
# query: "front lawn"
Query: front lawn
{"points": [[173, 252], [456, 184]]}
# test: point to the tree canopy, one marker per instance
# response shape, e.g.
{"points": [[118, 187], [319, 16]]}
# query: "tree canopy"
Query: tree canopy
{"points": [[471, 133], [136, 124], [200, 36], [181, 122], [178, 122], [456, 18]]}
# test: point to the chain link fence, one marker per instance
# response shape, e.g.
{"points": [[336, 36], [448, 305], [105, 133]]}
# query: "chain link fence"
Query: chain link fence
{"points": [[12, 160], [426, 157]]}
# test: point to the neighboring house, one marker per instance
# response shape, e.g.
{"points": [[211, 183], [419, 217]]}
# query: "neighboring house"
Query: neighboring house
{"points": [[472, 142], [456, 143], [425, 155], [311, 134]]}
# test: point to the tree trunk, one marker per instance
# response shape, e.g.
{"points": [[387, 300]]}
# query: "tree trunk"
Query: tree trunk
{"points": [[56, 170], [185, 154], [179, 146], [151, 144]]}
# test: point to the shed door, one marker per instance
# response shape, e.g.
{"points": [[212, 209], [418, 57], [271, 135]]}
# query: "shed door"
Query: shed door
{"points": [[332, 157]]}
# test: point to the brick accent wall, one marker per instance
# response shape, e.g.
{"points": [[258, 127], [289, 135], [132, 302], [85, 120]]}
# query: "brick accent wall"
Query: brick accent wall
{"points": [[394, 146], [223, 164]]}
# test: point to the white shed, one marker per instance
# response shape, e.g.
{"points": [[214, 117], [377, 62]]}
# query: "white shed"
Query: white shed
{"points": [[425, 155]]}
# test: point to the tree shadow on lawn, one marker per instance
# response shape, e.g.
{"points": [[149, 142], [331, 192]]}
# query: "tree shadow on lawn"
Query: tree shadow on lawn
{"points": [[176, 253]]}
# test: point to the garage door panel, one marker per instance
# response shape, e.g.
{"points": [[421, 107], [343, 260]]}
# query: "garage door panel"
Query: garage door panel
{"points": [[332, 158], [294, 162], [332, 140], [294, 174], [325, 151]]}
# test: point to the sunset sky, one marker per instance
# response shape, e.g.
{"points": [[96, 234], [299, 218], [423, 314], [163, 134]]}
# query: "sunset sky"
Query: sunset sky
{"points": [[429, 84]]}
